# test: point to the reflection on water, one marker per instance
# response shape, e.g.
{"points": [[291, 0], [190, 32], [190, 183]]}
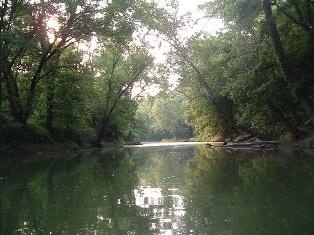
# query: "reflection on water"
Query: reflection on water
{"points": [[166, 211], [159, 190]]}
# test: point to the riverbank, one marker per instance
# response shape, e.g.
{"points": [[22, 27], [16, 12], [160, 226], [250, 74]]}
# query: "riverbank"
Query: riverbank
{"points": [[24, 151], [21, 152]]}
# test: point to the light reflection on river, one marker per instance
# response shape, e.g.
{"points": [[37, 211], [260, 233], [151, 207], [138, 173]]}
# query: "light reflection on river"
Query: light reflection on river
{"points": [[164, 220], [168, 189], [165, 144]]}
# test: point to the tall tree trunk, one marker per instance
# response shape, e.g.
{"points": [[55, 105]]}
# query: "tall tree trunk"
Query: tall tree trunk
{"points": [[101, 131], [14, 99], [281, 55], [284, 63], [46, 56], [30, 97]]}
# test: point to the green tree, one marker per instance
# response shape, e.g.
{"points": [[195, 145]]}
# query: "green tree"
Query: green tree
{"points": [[119, 70], [26, 45], [240, 72], [273, 18]]}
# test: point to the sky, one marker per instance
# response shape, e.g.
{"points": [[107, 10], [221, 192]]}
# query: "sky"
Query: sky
{"points": [[160, 47], [210, 26]]}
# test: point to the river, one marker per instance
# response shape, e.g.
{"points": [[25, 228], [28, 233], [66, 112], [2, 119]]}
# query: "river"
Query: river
{"points": [[159, 189]]}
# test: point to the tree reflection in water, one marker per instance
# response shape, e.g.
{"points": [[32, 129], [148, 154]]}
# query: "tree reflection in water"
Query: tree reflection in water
{"points": [[251, 193], [162, 190]]}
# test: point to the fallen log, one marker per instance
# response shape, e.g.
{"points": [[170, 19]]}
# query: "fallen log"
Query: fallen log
{"points": [[245, 144], [249, 145], [251, 148]]}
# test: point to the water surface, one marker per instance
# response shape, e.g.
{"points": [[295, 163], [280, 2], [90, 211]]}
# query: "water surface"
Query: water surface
{"points": [[180, 189]]}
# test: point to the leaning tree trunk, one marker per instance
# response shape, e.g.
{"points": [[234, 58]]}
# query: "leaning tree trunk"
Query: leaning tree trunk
{"points": [[226, 115], [284, 63], [14, 99]]}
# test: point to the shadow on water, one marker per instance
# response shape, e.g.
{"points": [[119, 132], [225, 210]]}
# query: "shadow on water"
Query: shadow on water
{"points": [[161, 190], [251, 193]]}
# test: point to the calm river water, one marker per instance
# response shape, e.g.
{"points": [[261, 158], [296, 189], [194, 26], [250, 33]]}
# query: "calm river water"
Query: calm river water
{"points": [[159, 190]]}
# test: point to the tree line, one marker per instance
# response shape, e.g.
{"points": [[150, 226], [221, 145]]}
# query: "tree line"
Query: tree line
{"points": [[254, 78], [54, 82]]}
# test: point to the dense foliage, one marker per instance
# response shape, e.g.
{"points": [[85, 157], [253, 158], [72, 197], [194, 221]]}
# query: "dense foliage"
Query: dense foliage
{"points": [[162, 118], [53, 77], [253, 78]]}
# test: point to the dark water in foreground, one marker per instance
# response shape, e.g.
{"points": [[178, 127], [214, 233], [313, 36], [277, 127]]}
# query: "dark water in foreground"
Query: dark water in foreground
{"points": [[161, 190]]}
